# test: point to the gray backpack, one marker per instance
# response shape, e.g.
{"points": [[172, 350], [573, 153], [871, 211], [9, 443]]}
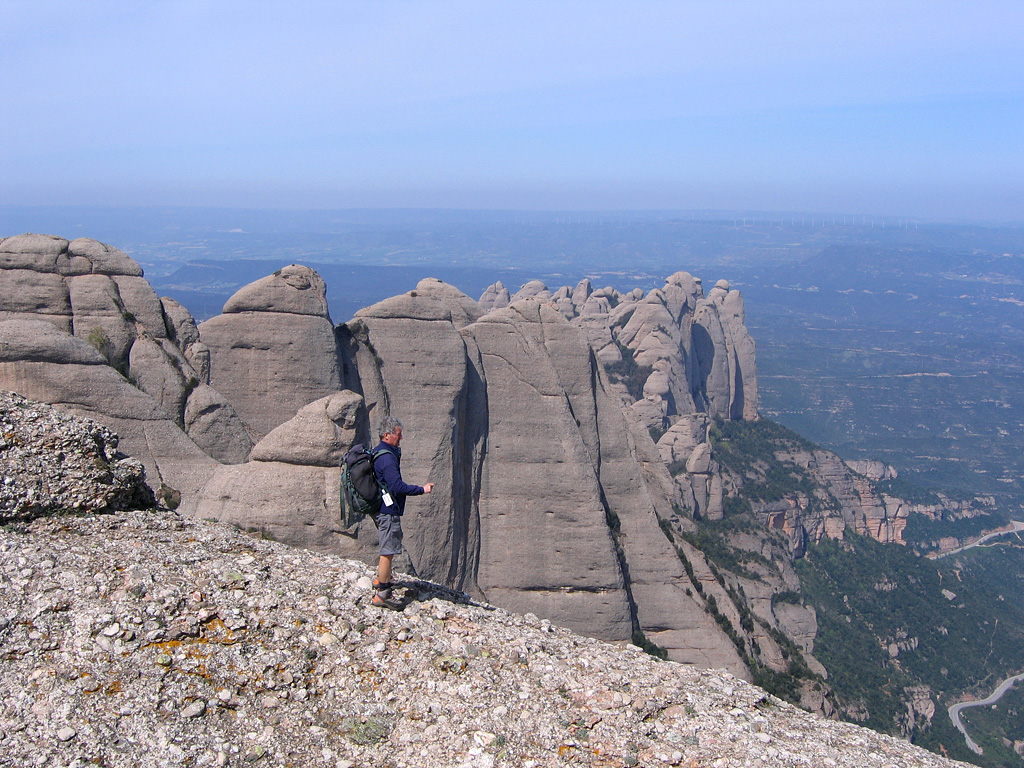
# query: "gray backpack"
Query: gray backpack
{"points": [[360, 490]]}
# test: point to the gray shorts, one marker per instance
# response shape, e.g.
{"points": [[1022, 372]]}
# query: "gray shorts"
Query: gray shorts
{"points": [[389, 533]]}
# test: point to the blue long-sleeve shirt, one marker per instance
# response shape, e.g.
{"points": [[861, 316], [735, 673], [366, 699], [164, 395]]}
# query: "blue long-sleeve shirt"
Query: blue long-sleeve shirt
{"points": [[388, 468]]}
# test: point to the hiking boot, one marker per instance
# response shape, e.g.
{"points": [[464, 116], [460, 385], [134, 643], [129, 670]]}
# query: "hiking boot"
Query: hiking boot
{"points": [[380, 600], [382, 586]]}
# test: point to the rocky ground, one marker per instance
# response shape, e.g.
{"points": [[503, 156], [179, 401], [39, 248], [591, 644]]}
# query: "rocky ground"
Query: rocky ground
{"points": [[145, 638], [54, 462]]}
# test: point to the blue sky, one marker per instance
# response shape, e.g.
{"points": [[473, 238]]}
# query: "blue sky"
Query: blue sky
{"points": [[888, 108]]}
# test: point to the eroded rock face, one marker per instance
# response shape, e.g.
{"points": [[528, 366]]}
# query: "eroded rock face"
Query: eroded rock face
{"points": [[697, 352], [862, 508], [534, 289], [920, 709], [182, 330], [292, 290], [78, 287], [873, 470], [537, 466], [596, 321], [495, 296], [273, 350], [28, 294], [425, 370], [213, 424], [678, 359], [682, 438], [295, 504], [492, 403], [744, 392], [84, 287], [51, 254], [463, 309], [540, 496], [207, 416], [99, 295], [290, 489], [40, 361], [318, 435]]}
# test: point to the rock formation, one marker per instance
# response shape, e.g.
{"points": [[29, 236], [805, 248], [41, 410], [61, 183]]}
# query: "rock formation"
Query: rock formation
{"points": [[273, 350], [139, 376], [536, 464], [496, 296], [290, 489], [696, 351], [44, 362], [568, 434], [678, 359]]}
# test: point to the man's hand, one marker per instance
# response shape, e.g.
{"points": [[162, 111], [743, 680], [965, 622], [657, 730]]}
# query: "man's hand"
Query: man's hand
{"points": [[428, 487]]}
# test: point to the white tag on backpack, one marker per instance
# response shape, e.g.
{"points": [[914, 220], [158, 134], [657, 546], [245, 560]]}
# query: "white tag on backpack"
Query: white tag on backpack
{"points": [[388, 501]]}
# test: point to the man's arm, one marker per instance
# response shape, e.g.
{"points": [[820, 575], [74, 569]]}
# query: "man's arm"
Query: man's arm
{"points": [[388, 468]]}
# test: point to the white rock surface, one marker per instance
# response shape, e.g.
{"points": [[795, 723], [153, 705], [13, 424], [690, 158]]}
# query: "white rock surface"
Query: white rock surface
{"points": [[145, 639], [55, 464]]}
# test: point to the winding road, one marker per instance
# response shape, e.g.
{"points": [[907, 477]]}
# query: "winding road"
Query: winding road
{"points": [[1017, 526], [1008, 683], [995, 695], [954, 711]]}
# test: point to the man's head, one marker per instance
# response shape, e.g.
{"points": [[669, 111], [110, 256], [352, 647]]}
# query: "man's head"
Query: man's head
{"points": [[390, 431]]}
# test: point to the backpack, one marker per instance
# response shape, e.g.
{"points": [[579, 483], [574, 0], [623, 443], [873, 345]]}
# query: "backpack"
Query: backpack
{"points": [[360, 490]]}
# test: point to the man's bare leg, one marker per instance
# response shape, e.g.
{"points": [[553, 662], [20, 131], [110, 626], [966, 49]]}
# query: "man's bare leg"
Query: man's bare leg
{"points": [[382, 597], [384, 569]]}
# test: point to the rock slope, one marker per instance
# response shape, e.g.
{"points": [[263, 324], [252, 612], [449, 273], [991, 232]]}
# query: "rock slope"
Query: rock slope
{"points": [[54, 463], [146, 638]]}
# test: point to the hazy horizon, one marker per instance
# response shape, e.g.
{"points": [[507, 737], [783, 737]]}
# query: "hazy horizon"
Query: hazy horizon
{"points": [[910, 110], [13, 213]]}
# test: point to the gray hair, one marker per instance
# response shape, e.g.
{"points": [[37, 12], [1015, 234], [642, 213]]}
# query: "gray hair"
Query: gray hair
{"points": [[388, 426]]}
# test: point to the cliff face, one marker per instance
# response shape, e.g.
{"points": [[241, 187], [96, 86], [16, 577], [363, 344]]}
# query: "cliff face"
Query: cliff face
{"points": [[675, 351], [81, 327], [571, 435], [549, 493], [678, 360]]}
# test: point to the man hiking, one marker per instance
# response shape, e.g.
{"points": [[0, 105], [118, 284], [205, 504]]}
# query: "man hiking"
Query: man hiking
{"points": [[388, 468]]}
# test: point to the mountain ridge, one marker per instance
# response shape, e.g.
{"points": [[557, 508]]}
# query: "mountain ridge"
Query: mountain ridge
{"points": [[635, 397]]}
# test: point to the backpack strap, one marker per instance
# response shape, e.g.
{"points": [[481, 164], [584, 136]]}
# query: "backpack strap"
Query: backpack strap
{"points": [[373, 459], [349, 516]]}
